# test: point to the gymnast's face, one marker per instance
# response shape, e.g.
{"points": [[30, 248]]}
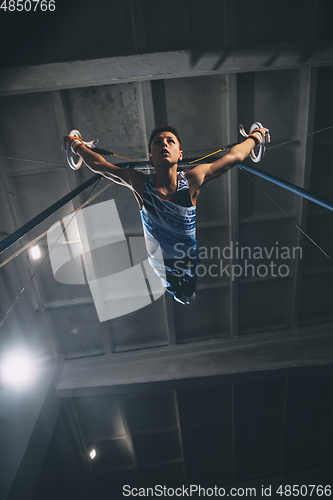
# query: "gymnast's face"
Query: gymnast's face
{"points": [[165, 150]]}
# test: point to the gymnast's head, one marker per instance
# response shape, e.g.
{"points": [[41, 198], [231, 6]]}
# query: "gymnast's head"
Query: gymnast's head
{"points": [[165, 147]]}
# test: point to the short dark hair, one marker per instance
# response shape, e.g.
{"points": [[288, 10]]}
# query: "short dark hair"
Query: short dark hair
{"points": [[159, 130]]}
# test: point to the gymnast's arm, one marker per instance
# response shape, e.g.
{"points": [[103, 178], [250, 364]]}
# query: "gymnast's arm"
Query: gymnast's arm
{"points": [[127, 177], [208, 171]]}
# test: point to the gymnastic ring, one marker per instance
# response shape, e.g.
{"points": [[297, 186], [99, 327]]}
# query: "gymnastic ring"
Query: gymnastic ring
{"points": [[69, 153], [256, 158], [262, 146]]}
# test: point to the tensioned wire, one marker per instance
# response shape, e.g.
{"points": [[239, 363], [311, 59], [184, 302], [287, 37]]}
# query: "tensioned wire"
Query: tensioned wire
{"points": [[50, 249], [289, 216], [63, 164], [32, 242], [267, 194], [119, 156], [276, 203], [296, 138], [229, 146], [225, 148]]}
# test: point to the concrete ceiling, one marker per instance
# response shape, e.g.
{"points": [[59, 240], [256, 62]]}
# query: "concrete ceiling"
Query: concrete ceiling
{"points": [[235, 389]]}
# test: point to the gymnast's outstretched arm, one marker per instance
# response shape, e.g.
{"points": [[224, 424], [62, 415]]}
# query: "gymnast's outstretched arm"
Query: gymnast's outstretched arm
{"points": [[208, 171], [127, 177]]}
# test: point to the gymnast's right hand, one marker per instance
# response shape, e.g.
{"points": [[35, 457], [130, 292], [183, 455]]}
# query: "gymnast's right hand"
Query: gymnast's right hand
{"points": [[73, 141], [260, 135]]}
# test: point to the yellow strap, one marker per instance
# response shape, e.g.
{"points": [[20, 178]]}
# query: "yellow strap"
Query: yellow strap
{"points": [[130, 159], [211, 154]]}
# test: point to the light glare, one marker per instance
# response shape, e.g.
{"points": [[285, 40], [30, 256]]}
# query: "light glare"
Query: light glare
{"points": [[92, 454], [35, 252], [18, 369]]}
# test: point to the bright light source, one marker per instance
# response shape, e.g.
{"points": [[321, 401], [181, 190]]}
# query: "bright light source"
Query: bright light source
{"points": [[18, 369], [92, 454], [35, 252]]}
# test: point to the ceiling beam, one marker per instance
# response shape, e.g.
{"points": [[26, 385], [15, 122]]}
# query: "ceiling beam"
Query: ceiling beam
{"points": [[81, 447], [326, 456], [229, 135], [163, 65], [303, 169], [181, 437], [234, 435], [285, 421], [16, 278], [141, 371], [146, 111], [308, 93], [129, 440], [62, 126], [74, 459]]}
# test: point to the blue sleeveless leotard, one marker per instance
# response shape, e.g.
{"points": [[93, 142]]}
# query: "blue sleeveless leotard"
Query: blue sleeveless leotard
{"points": [[169, 226]]}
